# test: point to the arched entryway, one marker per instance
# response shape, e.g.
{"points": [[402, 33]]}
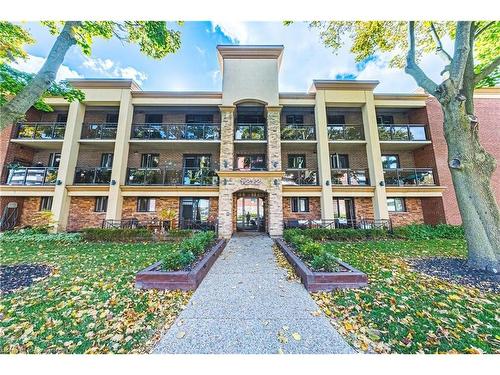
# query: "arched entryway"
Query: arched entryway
{"points": [[250, 211]]}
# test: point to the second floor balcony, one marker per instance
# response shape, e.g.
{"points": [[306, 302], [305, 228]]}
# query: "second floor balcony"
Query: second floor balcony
{"points": [[347, 176], [250, 132], [298, 132], [172, 177], [40, 130], [172, 132], [409, 177], [402, 132], [301, 177], [99, 130], [31, 176], [94, 176], [343, 132]]}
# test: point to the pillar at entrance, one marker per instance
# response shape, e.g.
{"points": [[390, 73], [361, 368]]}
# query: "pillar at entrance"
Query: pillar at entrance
{"points": [[227, 137], [273, 138]]}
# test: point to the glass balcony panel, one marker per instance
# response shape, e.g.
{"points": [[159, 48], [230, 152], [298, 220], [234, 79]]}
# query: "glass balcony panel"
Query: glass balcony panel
{"points": [[391, 177], [102, 175], [358, 177], [400, 133], [300, 177], [293, 132], [407, 177], [26, 131], [340, 177], [384, 132], [345, 132], [32, 176], [425, 177], [84, 176], [417, 133], [253, 132], [353, 133]]}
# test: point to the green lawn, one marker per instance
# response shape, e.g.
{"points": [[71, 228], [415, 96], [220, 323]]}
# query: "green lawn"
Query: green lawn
{"points": [[402, 311], [90, 304]]}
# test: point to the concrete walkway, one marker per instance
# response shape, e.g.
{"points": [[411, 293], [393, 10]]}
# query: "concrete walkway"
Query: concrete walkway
{"points": [[246, 305]]}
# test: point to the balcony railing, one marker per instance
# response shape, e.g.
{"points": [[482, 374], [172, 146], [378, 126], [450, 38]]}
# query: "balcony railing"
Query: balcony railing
{"points": [[409, 177], [95, 176], [361, 223], [172, 177], [99, 131], [342, 132], [252, 132], [348, 176], [206, 132], [31, 176], [298, 132], [300, 177], [404, 132], [40, 130]]}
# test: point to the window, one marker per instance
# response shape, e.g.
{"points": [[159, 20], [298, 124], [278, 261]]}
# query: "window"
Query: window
{"points": [[45, 203], [251, 162], [62, 117], [107, 160], [146, 204], [390, 161], [199, 119], [300, 204], [150, 160], [194, 209], [385, 119], [54, 159], [295, 119], [396, 204], [336, 119], [296, 161], [101, 204], [153, 118], [339, 161], [112, 118]]}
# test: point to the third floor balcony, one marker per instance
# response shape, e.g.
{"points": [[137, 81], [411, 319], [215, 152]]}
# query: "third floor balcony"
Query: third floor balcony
{"points": [[92, 175], [31, 176], [250, 132], [347, 176], [402, 132], [173, 132], [40, 130], [345, 132], [409, 177], [172, 177], [298, 132], [301, 177], [104, 131]]}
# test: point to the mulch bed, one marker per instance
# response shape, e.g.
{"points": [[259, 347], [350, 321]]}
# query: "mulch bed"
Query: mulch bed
{"points": [[455, 270], [21, 275]]}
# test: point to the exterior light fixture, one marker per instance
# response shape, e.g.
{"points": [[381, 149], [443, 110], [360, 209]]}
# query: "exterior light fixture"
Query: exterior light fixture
{"points": [[224, 181], [381, 183], [225, 163], [113, 182], [58, 182], [275, 164], [327, 183], [276, 182]]}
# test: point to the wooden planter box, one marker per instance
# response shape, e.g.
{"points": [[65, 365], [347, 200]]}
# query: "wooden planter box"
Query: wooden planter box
{"points": [[316, 281], [153, 278]]}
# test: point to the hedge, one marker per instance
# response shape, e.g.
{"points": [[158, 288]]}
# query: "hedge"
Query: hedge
{"points": [[182, 255], [116, 234]]}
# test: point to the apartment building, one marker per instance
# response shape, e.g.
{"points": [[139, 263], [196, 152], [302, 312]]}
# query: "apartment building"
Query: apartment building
{"points": [[246, 158]]}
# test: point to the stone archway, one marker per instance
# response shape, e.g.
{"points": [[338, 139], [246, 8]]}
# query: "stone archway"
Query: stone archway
{"points": [[250, 211]]}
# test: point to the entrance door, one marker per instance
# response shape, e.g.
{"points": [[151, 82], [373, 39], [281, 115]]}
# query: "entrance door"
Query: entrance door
{"points": [[343, 212], [250, 214]]}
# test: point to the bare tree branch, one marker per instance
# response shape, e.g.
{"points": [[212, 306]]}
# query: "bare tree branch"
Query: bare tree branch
{"points": [[487, 70], [412, 67], [439, 45], [478, 32], [462, 48]]}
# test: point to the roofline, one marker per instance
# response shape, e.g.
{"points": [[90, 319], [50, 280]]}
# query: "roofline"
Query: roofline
{"points": [[178, 94], [104, 83], [297, 95], [343, 84], [400, 96], [250, 51]]}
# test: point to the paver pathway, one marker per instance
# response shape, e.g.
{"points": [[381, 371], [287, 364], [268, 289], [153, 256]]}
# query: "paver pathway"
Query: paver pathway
{"points": [[245, 304]]}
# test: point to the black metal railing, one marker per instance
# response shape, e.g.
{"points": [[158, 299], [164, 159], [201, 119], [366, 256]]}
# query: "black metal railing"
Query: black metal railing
{"points": [[204, 131], [402, 132], [339, 223], [343, 132], [40, 130], [347, 176], [92, 175], [298, 132], [300, 177], [31, 175], [203, 225], [172, 177], [99, 130], [409, 177], [252, 132], [155, 223]]}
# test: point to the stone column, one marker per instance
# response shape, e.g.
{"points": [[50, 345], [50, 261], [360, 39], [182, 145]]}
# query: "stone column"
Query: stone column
{"points": [[120, 156], [324, 168], [67, 165], [273, 138], [275, 203], [374, 157]]}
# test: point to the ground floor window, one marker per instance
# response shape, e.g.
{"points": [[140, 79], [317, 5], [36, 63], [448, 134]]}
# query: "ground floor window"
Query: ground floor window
{"points": [[101, 204], [146, 204], [45, 203], [396, 205], [194, 209], [300, 204], [343, 212]]}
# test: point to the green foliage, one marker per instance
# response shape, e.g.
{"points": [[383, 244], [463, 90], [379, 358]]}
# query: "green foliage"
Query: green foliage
{"points": [[428, 232], [12, 41], [12, 81], [116, 235], [325, 261], [36, 235], [347, 234], [176, 260], [180, 233], [181, 256]]}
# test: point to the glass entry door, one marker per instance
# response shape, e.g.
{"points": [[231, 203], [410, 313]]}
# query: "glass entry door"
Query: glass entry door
{"points": [[343, 212], [250, 214]]}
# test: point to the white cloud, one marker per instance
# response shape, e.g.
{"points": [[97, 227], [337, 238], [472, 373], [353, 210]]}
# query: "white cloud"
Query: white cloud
{"points": [[201, 51], [111, 69], [235, 30], [33, 64]]}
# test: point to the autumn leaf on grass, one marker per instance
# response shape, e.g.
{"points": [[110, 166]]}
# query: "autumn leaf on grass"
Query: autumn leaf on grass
{"points": [[296, 336]]}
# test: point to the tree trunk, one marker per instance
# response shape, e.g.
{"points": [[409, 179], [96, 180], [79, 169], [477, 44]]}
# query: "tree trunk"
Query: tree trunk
{"points": [[471, 170], [22, 102]]}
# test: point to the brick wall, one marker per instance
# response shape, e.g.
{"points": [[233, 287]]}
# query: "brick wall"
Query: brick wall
{"points": [[313, 214], [4, 201], [413, 215], [98, 115], [363, 208], [31, 214], [82, 214], [129, 209], [433, 210]]}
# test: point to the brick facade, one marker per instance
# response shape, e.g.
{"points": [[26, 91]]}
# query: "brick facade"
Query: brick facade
{"points": [[82, 214], [31, 214], [413, 214], [313, 214], [363, 208]]}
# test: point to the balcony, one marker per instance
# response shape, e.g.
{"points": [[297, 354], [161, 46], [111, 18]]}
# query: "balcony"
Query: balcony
{"points": [[93, 176], [31, 176], [342, 132], [40, 130], [250, 132], [402, 132], [298, 132], [346, 176], [301, 177], [99, 131], [172, 132], [172, 177], [409, 177]]}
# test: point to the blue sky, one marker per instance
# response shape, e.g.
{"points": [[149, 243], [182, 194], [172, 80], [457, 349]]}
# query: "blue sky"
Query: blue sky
{"points": [[195, 65]]}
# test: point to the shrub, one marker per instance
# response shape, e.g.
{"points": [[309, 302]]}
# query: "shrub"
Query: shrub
{"points": [[324, 261], [184, 254], [327, 234], [179, 233], [177, 260], [116, 234], [38, 234], [428, 232]]}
